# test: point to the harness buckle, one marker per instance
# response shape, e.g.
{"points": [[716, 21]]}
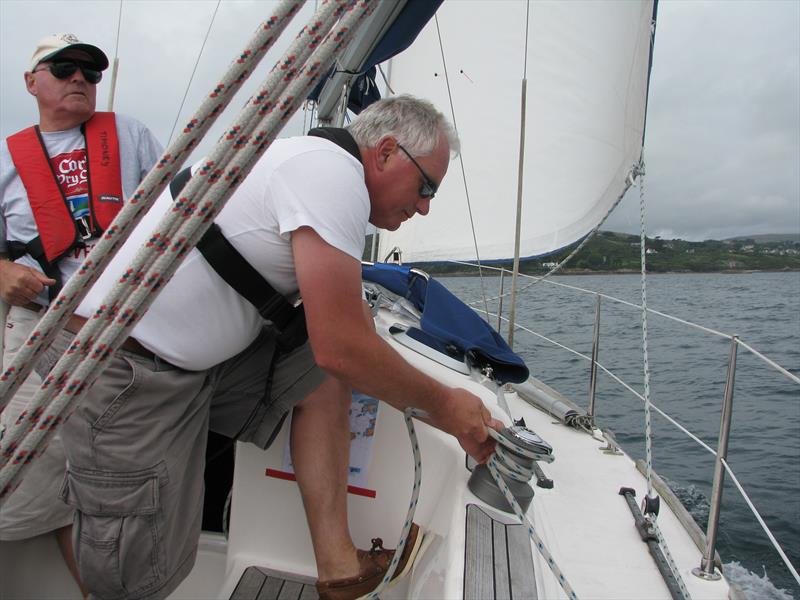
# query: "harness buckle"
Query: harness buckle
{"points": [[84, 227]]}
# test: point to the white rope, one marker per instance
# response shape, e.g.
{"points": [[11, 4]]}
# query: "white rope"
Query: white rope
{"points": [[647, 419], [495, 464], [643, 261], [263, 39], [79, 367], [499, 461], [412, 505], [136, 206]]}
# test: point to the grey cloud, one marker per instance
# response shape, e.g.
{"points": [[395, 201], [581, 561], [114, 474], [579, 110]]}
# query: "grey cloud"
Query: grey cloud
{"points": [[723, 136]]}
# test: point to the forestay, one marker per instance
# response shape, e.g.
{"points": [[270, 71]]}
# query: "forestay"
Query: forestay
{"points": [[587, 70]]}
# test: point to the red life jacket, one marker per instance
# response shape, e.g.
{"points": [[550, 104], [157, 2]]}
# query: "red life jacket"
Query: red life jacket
{"points": [[59, 231]]}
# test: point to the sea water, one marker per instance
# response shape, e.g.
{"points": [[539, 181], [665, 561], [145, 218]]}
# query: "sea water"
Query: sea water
{"points": [[688, 371]]}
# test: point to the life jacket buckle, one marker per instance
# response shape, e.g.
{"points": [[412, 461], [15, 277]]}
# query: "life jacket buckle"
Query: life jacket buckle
{"points": [[84, 227]]}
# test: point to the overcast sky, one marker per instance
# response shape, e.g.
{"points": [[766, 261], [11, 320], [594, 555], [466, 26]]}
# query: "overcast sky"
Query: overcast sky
{"points": [[723, 133]]}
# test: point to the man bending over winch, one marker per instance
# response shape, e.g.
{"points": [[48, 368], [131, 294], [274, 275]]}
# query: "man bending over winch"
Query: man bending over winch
{"points": [[206, 359]]}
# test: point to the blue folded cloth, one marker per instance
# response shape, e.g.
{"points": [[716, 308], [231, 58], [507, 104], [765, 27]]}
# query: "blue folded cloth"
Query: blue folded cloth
{"points": [[446, 317]]}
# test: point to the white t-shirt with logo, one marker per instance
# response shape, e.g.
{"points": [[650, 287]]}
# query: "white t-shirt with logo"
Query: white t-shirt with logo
{"points": [[198, 320], [139, 150]]}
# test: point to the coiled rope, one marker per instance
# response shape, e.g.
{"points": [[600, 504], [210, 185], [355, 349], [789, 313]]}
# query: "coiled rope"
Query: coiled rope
{"points": [[205, 194]]}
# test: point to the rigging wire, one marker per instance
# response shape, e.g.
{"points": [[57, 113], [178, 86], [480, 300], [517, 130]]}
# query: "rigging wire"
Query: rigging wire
{"points": [[115, 61], [386, 80], [463, 171], [119, 25], [634, 173], [512, 311], [194, 70]]}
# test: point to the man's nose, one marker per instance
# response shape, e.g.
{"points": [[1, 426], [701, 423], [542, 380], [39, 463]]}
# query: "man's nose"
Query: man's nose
{"points": [[78, 76], [424, 206]]}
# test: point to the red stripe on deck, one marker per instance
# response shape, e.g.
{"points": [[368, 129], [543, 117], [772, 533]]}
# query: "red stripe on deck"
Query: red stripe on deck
{"points": [[357, 491]]}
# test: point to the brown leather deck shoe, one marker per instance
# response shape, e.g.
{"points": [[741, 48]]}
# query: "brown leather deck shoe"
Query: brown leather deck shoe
{"points": [[373, 564]]}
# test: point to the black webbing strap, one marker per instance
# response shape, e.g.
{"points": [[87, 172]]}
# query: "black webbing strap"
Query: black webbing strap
{"points": [[339, 136], [236, 271], [241, 276], [35, 250]]}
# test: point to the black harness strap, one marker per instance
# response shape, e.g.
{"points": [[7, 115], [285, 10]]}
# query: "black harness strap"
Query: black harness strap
{"points": [[236, 271], [240, 274], [35, 250], [339, 136]]}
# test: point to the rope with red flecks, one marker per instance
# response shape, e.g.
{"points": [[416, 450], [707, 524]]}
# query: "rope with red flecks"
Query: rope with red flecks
{"points": [[286, 87]]}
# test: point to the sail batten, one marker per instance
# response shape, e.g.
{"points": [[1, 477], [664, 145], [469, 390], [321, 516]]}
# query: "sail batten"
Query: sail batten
{"points": [[587, 74]]}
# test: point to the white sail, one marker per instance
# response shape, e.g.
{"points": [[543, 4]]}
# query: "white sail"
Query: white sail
{"points": [[587, 72]]}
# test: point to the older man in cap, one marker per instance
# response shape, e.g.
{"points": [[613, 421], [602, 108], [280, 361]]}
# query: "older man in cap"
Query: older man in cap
{"points": [[61, 184]]}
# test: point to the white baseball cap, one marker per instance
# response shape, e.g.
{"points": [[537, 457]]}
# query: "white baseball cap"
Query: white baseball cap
{"points": [[51, 46]]}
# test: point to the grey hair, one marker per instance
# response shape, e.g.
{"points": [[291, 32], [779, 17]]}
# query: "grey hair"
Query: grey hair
{"points": [[415, 123]]}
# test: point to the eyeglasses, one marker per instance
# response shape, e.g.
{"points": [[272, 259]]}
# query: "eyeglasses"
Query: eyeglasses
{"points": [[427, 188], [62, 70]]}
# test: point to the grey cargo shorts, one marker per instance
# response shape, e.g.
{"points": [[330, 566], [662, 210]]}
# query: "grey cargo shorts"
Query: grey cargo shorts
{"points": [[136, 451]]}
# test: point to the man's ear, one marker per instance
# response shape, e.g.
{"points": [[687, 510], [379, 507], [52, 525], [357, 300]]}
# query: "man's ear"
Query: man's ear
{"points": [[30, 83], [384, 149]]}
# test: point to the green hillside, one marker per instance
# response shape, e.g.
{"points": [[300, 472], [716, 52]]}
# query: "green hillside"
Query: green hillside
{"points": [[620, 252]]}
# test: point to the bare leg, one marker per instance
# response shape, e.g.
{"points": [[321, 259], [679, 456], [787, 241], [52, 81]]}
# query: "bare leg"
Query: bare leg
{"points": [[64, 537], [320, 454]]}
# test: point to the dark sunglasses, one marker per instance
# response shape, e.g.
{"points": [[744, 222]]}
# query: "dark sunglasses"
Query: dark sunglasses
{"points": [[427, 188], [62, 70]]}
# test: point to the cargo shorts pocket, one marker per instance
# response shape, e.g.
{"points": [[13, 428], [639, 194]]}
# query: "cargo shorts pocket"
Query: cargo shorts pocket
{"points": [[119, 549]]}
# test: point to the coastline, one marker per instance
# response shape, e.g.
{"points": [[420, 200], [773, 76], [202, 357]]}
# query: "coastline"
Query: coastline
{"points": [[493, 273]]}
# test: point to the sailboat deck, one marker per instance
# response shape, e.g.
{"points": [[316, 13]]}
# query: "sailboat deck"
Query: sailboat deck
{"points": [[257, 583]]}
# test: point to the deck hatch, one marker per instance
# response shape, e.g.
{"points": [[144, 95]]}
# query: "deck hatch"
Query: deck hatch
{"points": [[498, 561]]}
